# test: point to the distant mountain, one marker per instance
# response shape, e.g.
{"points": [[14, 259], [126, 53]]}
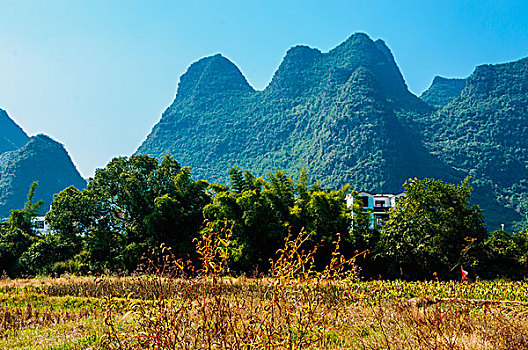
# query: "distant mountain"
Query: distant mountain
{"points": [[43, 160], [310, 115], [484, 132], [442, 91], [345, 115], [12, 136]]}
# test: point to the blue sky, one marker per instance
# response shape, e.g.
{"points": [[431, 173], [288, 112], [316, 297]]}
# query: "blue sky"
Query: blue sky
{"points": [[96, 75]]}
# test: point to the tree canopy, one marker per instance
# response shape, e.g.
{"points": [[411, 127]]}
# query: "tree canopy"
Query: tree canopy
{"points": [[434, 228], [138, 204]]}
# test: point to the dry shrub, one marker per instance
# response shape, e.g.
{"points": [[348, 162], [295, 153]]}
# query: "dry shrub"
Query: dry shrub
{"points": [[295, 307], [445, 325], [13, 319]]}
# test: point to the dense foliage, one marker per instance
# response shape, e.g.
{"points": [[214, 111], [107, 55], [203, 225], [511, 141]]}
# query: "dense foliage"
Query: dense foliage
{"points": [[12, 136], [263, 212], [136, 205], [17, 236], [442, 91], [348, 117], [483, 134], [128, 208], [433, 228], [42, 160]]}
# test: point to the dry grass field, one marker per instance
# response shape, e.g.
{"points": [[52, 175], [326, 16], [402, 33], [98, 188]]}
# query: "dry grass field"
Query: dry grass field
{"points": [[155, 312], [293, 307]]}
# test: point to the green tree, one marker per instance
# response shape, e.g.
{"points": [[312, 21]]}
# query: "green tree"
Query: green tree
{"points": [[263, 211], [17, 234], [49, 254], [433, 228], [73, 217], [177, 215], [506, 255], [253, 206], [325, 215], [131, 206], [365, 237]]}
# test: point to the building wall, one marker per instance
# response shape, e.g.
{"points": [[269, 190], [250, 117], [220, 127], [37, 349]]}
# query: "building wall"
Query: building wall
{"points": [[377, 204], [41, 225]]}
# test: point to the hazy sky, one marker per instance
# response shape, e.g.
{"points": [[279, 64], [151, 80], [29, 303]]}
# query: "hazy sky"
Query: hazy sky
{"points": [[96, 75]]}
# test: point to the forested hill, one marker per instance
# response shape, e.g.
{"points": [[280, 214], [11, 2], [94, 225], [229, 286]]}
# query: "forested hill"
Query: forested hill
{"points": [[12, 136], [335, 113], [43, 160], [345, 115], [484, 132], [442, 91]]}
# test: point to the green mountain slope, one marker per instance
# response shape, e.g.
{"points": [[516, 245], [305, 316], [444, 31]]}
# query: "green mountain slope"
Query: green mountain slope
{"points": [[345, 115], [484, 132], [442, 91], [334, 113], [12, 136], [43, 160]]}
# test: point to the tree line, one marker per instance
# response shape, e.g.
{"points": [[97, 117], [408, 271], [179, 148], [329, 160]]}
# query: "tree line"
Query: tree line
{"points": [[137, 204]]}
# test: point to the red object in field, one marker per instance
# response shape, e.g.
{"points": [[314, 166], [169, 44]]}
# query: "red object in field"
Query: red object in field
{"points": [[464, 273]]}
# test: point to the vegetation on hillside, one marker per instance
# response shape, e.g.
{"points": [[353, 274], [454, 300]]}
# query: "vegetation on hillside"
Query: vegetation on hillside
{"points": [[138, 204], [348, 117], [332, 113], [442, 91], [41, 160], [483, 133], [12, 136]]}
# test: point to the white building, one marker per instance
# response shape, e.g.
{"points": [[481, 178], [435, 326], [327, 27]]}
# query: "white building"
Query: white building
{"points": [[41, 225], [377, 204]]}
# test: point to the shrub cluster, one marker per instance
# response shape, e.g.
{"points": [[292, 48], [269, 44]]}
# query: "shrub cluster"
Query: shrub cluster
{"points": [[137, 204]]}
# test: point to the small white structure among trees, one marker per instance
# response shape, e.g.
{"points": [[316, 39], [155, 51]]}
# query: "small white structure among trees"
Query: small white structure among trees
{"points": [[377, 205]]}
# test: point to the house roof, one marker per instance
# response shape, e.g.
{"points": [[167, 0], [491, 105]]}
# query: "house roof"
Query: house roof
{"points": [[387, 195]]}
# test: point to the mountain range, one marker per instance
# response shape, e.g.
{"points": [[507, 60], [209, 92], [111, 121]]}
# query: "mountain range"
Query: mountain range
{"points": [[25, 159], [347, 116], [483, 133]]}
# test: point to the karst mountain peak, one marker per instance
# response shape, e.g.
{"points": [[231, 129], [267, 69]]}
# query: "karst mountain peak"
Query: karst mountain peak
{"points": [[345, 115]]}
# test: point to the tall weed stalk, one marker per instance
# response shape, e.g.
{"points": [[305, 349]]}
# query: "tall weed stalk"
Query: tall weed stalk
{"points": [[294, 307]]}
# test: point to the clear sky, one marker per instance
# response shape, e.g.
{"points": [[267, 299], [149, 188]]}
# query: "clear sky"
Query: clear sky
{"points": [[96, 75]]}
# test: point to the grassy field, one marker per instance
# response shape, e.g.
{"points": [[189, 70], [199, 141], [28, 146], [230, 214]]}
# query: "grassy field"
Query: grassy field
{"points": [[170, 306], [235, 313]]}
